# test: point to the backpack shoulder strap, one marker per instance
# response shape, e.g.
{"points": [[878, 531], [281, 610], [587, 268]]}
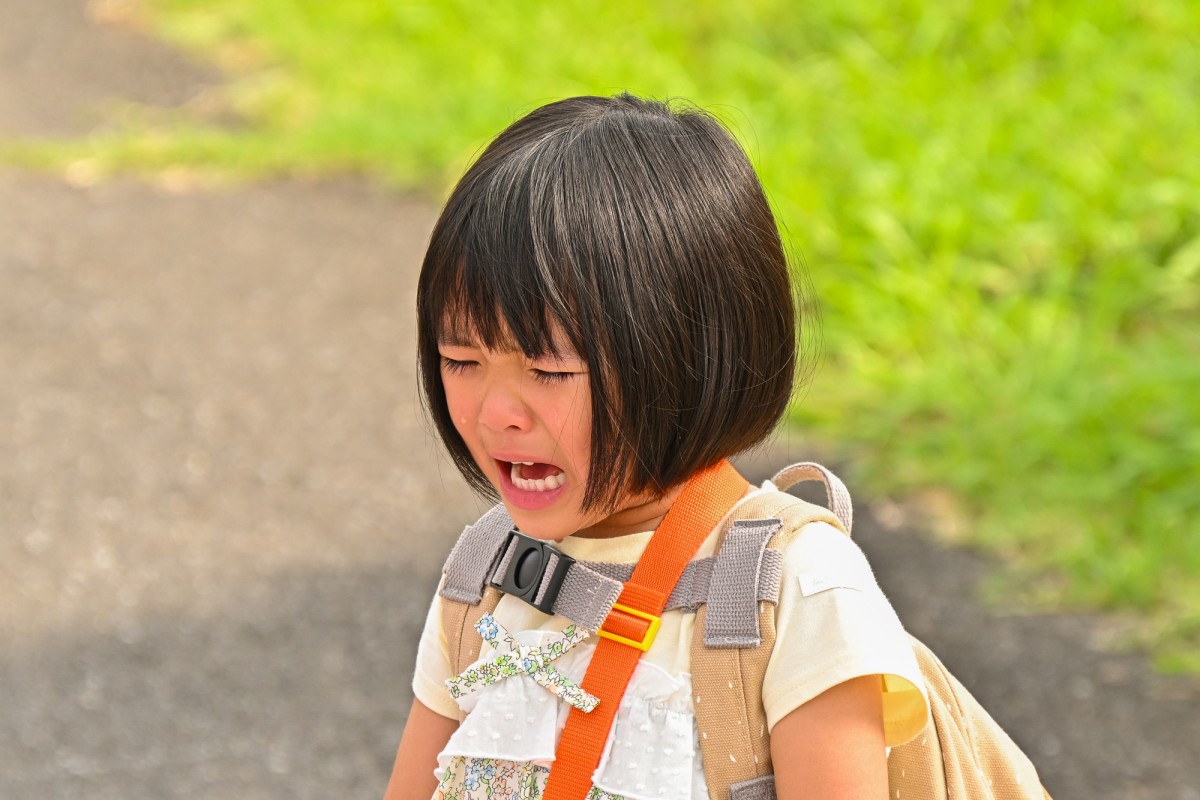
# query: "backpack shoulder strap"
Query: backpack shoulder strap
{"points": [[706, 499], [727, 675], [466, 592]]}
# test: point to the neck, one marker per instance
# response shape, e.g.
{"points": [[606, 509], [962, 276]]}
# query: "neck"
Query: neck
{"points": [[643, 515]]}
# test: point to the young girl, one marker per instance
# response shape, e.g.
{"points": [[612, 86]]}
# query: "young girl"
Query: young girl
{"points": [[606, 315]]}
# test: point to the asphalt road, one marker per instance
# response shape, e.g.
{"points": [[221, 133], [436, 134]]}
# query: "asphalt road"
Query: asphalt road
{"points": [[222, 514]]}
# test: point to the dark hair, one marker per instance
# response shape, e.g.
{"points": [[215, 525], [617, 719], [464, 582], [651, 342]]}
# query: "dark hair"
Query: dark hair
{"points": [[641, 230]]}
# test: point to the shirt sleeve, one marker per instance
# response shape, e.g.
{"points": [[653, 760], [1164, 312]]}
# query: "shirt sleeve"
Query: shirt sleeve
{"points": [[433, 665], [833, 624]]}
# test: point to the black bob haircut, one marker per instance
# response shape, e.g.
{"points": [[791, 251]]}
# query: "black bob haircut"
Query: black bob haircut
{"points": [[641, 231]]}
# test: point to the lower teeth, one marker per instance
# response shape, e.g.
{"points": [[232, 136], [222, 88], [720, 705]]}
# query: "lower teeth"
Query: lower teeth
{"points": [[540, 485]]}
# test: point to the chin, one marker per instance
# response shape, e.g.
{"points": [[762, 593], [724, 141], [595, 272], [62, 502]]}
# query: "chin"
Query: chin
{"points": [[543, 529]]}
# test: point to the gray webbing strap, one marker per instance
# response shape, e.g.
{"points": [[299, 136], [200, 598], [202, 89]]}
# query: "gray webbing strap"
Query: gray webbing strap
{"points": [[587, 596], [590, 588], [505, 559], [547, 577], [754, 789], [839, 496], [473, 558], [732, 619], [694, 587], [692, 590]]}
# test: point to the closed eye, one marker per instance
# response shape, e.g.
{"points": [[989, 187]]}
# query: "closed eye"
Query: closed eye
{"points": [[454, 366], [552, 368], [550, 376]]}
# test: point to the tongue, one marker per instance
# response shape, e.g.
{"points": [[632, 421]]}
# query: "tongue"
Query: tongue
{"points": [[535, 472]]}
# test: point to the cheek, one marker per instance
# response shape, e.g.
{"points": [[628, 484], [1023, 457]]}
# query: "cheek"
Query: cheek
{"points": [[578, 427], [460, 404]]}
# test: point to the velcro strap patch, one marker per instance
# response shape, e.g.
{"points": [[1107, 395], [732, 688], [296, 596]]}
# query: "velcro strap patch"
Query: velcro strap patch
{"points": [[754, 789], [732, 619]]}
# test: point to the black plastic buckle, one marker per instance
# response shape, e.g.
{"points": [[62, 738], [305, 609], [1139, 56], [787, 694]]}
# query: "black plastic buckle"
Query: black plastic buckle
{"points": [[526, 576]]}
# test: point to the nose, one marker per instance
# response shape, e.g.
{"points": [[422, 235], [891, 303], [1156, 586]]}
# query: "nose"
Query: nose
{"points": [[504, 407]]}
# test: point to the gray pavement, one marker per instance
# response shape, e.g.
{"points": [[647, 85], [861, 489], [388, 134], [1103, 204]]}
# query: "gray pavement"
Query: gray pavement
{"points": [[221, 512]]}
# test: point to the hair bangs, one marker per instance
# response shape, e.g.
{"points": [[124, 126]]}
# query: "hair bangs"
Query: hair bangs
{"points": [[497, 282]]}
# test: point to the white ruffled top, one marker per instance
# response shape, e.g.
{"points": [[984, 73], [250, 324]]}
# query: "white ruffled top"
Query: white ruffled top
{"points": [[512, 727]]}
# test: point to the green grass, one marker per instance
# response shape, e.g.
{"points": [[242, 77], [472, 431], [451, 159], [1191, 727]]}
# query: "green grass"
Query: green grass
{"points": [[998, 204]]}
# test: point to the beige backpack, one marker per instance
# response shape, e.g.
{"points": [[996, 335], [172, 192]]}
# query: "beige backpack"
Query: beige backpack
{"points": [[962, 754]]}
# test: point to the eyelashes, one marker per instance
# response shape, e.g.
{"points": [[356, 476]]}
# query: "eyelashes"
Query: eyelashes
{"points": [[553, 377], [453, 366]]}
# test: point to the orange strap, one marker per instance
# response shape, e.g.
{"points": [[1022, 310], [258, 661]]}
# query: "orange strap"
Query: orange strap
{"points": [[705, 500]]}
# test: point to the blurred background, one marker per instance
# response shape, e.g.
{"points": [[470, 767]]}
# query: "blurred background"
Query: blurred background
{"points": [[222, 513]]}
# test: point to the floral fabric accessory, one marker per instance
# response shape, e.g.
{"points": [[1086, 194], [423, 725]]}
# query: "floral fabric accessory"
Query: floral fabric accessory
{"points": [[519, 659]]}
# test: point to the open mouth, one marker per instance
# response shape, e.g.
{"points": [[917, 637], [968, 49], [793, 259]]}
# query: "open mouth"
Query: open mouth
{"points": [[530, 476]]}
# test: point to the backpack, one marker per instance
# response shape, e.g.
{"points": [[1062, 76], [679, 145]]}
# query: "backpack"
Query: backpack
{"points": [[962, 754]]}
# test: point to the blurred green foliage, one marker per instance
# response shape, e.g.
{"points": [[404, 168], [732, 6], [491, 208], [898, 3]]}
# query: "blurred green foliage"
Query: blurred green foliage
{"points": [[998, 204]]}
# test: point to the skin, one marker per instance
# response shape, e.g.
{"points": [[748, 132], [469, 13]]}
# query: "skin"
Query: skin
{"points": [[425, 735], [508, 407], [833, 745]]}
